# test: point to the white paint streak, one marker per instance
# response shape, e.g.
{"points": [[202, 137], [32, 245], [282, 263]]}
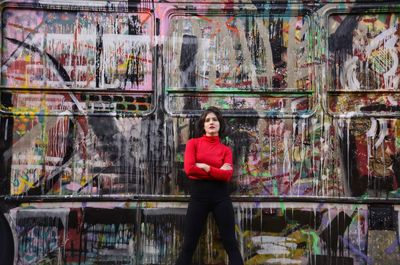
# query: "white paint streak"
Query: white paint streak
{"points": [[283, 261]]}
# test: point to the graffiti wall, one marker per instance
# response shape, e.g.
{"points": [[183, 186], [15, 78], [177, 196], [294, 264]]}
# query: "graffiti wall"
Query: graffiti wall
{"points": [[98, 100]]}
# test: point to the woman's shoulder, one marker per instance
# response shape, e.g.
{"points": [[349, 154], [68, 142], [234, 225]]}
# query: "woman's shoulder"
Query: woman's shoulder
{"points": [[193, 140], [226, 147]]}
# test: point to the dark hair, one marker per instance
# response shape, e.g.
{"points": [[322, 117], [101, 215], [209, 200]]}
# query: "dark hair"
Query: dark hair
{"points": [[223, 128]]}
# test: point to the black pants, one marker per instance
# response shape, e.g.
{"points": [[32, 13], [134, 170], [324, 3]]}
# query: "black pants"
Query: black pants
{"points": [[209, 196]]}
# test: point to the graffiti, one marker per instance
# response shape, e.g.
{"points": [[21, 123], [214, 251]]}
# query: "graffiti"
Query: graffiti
{"points": [[238, 54], [77, 50], [98, 100], [39, 234], [244, 48], [366, 61], [303, 233], [75, 236]]}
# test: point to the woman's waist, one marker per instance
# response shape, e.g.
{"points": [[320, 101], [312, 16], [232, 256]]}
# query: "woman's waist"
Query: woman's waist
{"points": [[209, 187]]}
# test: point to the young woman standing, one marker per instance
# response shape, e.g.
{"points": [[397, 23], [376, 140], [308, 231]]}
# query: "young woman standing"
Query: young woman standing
{"points": [[208, 165]]}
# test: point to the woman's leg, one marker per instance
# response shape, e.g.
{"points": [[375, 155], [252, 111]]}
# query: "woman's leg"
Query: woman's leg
{"points": [[196, 217], [225, 219]]}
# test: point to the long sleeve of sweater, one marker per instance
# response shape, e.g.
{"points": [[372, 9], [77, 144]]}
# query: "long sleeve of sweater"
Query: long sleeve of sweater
{"points": [[190, 161], [223, 174]]}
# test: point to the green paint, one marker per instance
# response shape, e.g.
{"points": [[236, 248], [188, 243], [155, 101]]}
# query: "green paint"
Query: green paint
{"points": [[222, 103], [179, 157], [315, 239], [283, 207], [228, 92], [275, 190], [276, 193], [365, 196], [266, 174], [16, 182], [397, 142], [395, 192]]}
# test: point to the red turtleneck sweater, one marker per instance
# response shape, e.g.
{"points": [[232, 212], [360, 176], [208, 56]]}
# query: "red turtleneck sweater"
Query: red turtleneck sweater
{"points": [[208, 150]]}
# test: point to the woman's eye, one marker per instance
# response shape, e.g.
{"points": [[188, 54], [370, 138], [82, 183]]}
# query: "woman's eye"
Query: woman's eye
{"points": [[211, 119]]}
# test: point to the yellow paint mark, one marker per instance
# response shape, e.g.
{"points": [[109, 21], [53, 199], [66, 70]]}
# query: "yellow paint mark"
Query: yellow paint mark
{"points": [[29, 184]]}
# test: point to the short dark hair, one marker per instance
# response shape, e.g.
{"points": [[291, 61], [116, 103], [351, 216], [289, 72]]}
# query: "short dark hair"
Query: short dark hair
{"points": [[223, 128]]}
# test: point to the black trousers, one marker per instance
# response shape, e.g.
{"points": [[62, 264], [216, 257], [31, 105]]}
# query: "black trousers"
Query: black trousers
{"points": [[209, 196]]}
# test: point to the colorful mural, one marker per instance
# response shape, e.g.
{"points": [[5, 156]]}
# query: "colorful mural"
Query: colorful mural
{"points": [[151, 233], [98, 99]]}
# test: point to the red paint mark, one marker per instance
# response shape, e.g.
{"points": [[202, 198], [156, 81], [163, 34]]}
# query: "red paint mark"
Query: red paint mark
{"points": [[20, 27], [369, 20], [205, 18], [231, 28]]}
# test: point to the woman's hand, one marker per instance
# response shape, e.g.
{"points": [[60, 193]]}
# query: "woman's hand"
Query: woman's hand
{"points": [[226, 166], [203, 166], [206, 167]]}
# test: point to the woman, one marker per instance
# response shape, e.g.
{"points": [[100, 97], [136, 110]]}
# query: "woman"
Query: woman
{"points": [[208, 165]]}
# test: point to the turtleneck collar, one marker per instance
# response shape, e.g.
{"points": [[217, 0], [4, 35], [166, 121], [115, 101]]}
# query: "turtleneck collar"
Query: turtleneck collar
{"points": [[211, 139]]}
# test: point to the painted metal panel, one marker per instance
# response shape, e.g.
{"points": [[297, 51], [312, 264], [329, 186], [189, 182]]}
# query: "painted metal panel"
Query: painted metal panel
{"points": [[245, 61], [98, 99]]}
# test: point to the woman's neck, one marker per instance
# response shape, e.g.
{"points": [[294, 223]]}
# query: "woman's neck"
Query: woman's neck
{"points": [[211, 138]]}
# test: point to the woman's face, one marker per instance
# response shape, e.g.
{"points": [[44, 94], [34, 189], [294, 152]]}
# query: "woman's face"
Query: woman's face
{"points": [[211, 124]]}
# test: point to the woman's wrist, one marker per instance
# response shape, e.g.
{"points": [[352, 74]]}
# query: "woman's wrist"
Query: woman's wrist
{"points": [[203, 166]]}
